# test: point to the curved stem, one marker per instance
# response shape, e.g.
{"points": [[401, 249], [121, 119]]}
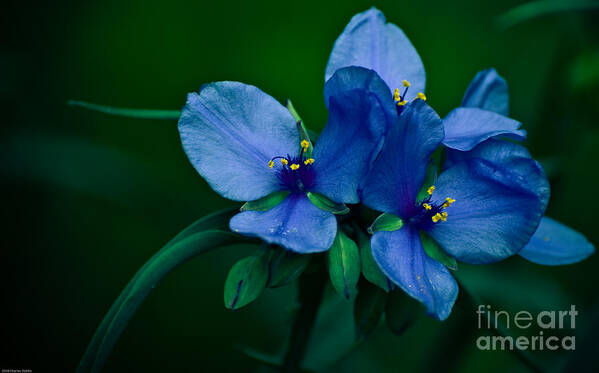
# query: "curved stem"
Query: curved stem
{"points": [[311, 290]]}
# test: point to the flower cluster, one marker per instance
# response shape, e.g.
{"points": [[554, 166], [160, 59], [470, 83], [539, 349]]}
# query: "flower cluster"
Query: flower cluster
{"points": [[381, 147]]}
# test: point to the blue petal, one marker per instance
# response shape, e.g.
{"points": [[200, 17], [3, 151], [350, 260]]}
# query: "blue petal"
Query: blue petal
{"points": [[467, 127], [402, 259], [369, 42], [397, 175], [497, 208], [353, 135], [555, 244], [487, 91], [295, 224], [492, 150], [230, 131], [352, 78]]}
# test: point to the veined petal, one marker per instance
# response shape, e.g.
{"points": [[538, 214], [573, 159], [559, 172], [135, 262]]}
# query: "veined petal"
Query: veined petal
{"points": [[230, 131], [398, 173], [487, 91], [497, 208], [402, 259], [555, 244], [352, 137], [467, 127], [492, 150], [370, 42], [295, 224], [359, 78]]}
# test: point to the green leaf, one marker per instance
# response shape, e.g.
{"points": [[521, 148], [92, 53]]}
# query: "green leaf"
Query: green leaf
{"points": [[368, 309], [286, 266], [180, 249], [431, 176], [385, 222], [401, 311], [370, 269], [435, 251], [128, 112], [301, 127], [534, 9], [326, 204], [265, 203], [245, 281], [344, 265]]}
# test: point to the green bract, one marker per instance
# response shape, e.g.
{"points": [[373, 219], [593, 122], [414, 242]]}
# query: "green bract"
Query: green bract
{"points": [[326, 204], [245, 281], [385, 222], [344, 265]]}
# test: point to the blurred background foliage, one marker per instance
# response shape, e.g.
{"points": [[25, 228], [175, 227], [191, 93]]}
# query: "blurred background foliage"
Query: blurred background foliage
{"points": [[88, 197]]}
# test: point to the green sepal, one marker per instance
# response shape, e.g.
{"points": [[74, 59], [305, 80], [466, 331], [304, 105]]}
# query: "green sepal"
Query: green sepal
{"points": [[435, 251], [370, 269], [245, 281], [301, 127], [431, 177], [265, 203], [401, 311], [286, 266], [344, 265], [368, 309], [385, 222], [326, 204]]}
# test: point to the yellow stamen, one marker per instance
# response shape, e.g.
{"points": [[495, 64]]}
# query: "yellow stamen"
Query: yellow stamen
{"points": [[284, 161], [294, 166], [426, 206], [435, 218], [401, 103], [396, 95], [430, 190], [271, 164], [406, 83], [443, 216], [421, 96], [449, 200], [309, 161], [305, 144]]}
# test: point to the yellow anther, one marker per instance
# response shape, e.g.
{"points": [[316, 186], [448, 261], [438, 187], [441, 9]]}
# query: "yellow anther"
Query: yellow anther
{"points": [[294, 166], [435, 218], [421, 96], [449, 201], [406, 83], [401, 103], [396, 95], [443, 216], [430, 190], [305, 144], [284, 161], [309, 161], [426, 206], [271, 164]]}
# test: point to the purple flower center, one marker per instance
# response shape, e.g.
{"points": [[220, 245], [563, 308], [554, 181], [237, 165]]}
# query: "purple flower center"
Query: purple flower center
{"points": [[428, 212], [296, 174]]}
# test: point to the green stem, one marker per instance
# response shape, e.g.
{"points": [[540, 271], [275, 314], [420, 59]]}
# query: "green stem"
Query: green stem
{"points": [[311, 290]]}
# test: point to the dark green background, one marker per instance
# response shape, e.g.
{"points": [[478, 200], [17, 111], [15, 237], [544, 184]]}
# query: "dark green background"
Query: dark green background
{"points": [[87, 197]]}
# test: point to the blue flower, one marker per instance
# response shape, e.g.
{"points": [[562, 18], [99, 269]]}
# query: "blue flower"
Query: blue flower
{"points": [[246, 146], [553, 243], [478, 211]]}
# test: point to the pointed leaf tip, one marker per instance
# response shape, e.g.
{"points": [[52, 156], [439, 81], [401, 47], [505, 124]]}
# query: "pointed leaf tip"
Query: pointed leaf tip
{"points": [[385, 222], [265, 203], [245, 281], [326, 204], [344, 265]]}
